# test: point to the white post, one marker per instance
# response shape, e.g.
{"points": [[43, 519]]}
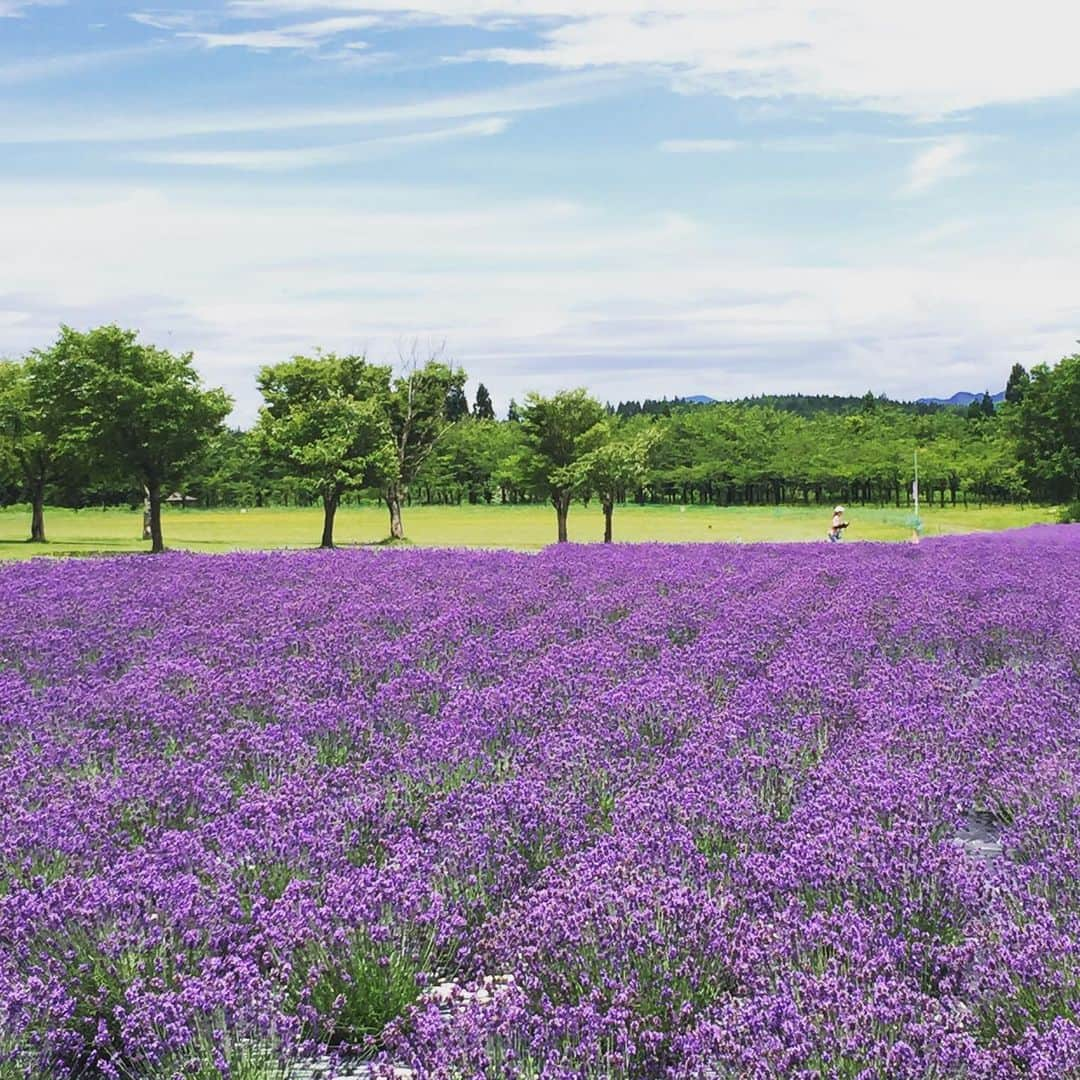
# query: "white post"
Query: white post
{"points": [[915, 493]]}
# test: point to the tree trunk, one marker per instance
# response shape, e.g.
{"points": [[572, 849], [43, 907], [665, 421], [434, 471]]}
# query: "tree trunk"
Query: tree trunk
{"points": [[330, 505], [561, 502], [393, 503], [157, 541], [37, 515], [609, 509]]}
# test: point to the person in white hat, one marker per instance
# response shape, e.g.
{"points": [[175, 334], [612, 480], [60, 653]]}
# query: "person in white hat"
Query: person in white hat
{"points": [[838, 525]]}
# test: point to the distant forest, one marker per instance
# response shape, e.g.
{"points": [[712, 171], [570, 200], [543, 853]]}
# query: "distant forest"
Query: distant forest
{"points": [[805, 405], [101, 419], [778, 450]]}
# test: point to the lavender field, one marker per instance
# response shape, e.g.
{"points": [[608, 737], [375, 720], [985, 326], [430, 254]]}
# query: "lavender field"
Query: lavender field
{"points": [[638, 812]]}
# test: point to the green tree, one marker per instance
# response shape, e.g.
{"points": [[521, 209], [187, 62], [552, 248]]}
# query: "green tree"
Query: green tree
{"points": [[553, 429], [613, 461], [1016, 387], [457, 404], [980, 408], [26, 450], [1048, 429], [324, 422], [513, 413], [483, 408], [40, 433], [138, 410], [418, 417], [466, 462], [232, 472]]}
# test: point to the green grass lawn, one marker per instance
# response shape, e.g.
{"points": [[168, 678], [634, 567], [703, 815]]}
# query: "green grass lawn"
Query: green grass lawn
{"points": [[522, 527]]}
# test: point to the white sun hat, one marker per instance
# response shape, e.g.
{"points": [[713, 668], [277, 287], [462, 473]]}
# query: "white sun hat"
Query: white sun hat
{"points": [[838, 510]]}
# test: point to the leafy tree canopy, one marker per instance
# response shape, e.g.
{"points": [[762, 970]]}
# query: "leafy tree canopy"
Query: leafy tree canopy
{"points": [[325, 422], [132, 408]]}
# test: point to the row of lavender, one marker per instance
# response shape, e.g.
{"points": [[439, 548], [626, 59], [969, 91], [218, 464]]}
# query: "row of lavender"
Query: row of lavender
{"points": [[637, 812]]}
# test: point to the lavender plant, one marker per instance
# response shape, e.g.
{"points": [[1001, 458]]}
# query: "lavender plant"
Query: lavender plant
{"points": [[717, 811]]}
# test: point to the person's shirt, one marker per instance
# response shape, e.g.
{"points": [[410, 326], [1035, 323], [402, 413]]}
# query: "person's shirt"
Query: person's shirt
{"points": [[836, 520]]}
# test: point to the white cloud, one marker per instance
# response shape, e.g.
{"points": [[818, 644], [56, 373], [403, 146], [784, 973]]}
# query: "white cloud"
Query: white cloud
{"points": [[921, 57], [527, 294], [308, 35], [699, 146], [310, 157], [11, 9], [534, 96], [50, 67], [185, 20], [944, 159]]}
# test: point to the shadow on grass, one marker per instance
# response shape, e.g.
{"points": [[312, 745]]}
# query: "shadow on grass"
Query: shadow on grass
{"points": [[69, 545], [386, 542], [62, 550]]}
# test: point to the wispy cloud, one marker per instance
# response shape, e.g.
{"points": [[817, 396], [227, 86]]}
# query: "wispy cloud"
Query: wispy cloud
{"points": [[530, 294], [308, 35], [699, 146], [66, 64], [919, 58], [945, 159], [311, 157], [184, 20], [535, 96], [254, 204], [11, 9]]}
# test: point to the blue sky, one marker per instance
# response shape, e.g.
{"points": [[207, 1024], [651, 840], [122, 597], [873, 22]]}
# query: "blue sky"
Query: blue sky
{"points": [[644, 197]]}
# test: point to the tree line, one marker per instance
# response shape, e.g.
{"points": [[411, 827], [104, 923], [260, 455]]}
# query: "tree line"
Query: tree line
{"points": [[101, 418]]}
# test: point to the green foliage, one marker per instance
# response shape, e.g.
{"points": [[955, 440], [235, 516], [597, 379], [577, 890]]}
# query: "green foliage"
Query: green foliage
{"points": [[483, 408], [140, 409], [358, 984], [418, 408], [1047, 426], [14, 434], [457, 404], [98, 415], [324, 422], [553, 431], [40, 441], [230, 472], [474, 460], [1017, 386], [615, 459], [123, 409]]}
